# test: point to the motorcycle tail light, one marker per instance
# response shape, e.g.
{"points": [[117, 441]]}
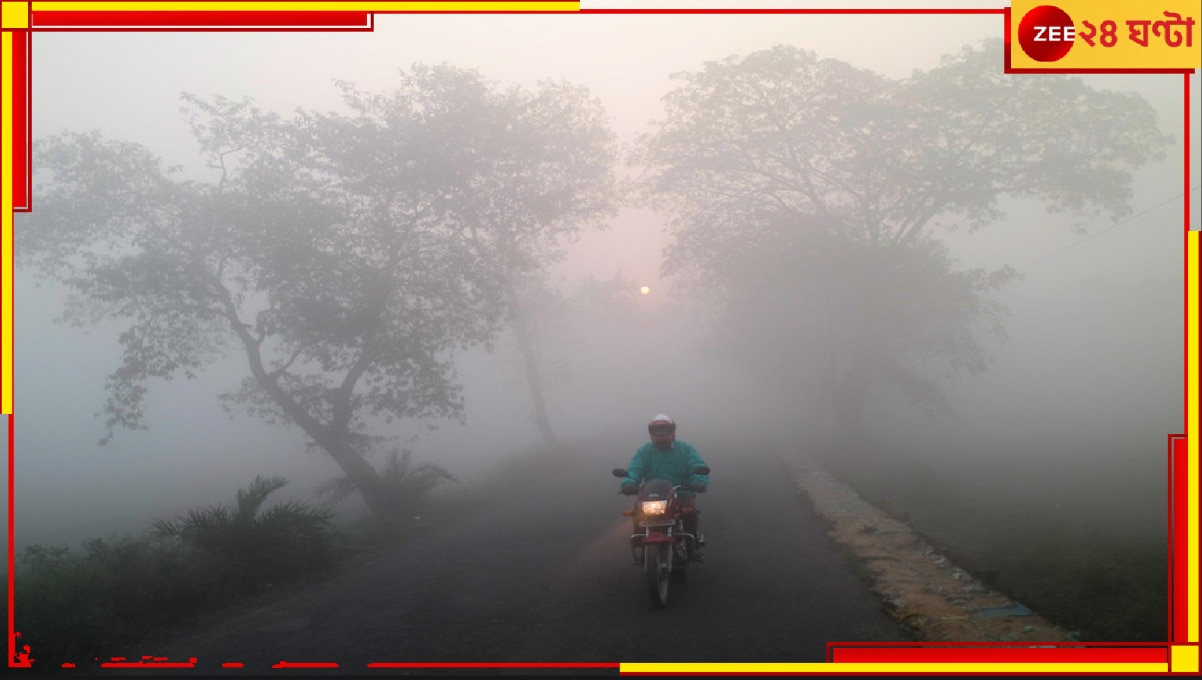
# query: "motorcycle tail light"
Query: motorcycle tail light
{"points": [[655, 507], [687, 510]]}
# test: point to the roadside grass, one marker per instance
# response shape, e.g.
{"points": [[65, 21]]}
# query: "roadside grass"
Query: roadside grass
{"points": [[87, 606], [111, 595], [1083, 545]]}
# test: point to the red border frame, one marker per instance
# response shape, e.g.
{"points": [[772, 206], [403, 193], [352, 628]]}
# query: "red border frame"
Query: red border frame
{"points": [[1178, 537], [1002, 652], [300, 20], [169, 19], [22, 168]]}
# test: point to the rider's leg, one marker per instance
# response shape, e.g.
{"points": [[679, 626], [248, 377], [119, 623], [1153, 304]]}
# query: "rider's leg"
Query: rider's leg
{"points": [[688, 503], [636, 529]]}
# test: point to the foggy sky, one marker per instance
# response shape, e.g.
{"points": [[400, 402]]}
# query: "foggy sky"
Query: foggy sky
{"points": [[128, 85]]}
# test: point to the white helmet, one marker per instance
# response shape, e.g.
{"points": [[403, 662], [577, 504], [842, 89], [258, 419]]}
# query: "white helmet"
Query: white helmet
{"points": [[662, 421]]}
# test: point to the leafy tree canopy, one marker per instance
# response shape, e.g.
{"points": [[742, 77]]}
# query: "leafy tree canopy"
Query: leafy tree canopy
{"points": [[819, 190], [340, 253]]}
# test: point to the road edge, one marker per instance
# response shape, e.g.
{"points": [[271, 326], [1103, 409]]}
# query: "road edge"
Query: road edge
{"points": [[917, 585]]}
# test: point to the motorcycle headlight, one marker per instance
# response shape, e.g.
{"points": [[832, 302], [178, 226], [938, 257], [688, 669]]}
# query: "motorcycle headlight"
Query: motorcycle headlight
{"points": [[655, 507]]}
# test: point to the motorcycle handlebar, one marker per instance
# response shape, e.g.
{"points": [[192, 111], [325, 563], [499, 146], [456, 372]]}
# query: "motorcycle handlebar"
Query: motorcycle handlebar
{"points": [[678, 487]]}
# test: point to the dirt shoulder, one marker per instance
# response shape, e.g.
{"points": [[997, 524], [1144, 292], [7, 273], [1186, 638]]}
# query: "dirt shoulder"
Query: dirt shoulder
{"points": [[919, 586]]}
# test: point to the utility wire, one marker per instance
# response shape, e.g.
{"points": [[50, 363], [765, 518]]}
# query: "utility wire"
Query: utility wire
{"points": [[1121, 222]]}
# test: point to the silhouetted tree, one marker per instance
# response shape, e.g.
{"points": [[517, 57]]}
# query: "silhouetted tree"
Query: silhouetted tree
{"points": [[540, 168], [333, 251], [825, 187]]}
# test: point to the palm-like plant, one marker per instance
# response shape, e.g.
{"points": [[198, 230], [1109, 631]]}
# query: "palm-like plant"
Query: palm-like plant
{"points": [[407, 483], [283, 541]]}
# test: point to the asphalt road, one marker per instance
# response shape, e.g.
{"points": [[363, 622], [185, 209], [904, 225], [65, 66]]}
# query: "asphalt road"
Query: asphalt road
{"points": [[549, 578]]}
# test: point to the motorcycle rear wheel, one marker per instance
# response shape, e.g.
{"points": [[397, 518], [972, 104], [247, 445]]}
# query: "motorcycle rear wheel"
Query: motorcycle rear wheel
{"points": [[658, 561]]}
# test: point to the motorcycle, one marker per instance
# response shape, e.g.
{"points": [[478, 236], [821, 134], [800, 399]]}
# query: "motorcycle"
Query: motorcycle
{"points": [[661, 547]]}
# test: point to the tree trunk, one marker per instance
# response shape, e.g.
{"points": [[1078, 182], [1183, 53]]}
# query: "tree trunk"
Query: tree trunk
{"points": [[366, 478], [530, 363]]}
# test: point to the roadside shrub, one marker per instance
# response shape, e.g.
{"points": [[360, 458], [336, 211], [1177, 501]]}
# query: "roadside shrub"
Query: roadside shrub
{"points": [[91, 605], [246, 546], [408, 484], [85, 607]]}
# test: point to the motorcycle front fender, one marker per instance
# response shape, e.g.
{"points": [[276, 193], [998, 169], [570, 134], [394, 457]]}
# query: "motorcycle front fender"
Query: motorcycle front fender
{"points": [[659, 538]]}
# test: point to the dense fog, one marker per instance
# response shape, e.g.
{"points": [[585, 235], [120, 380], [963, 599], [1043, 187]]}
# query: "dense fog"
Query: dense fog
{"points": [[1090, 372]]}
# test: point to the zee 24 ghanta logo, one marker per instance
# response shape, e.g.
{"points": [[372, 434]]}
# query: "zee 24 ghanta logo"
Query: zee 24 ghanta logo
{"points": [[1047, 33]]}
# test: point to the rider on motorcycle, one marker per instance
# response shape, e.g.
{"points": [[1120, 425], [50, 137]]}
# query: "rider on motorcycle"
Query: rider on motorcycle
{"points": [[666, 457]]}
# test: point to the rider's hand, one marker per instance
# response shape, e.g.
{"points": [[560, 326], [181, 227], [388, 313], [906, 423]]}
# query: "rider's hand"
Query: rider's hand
{"points": [[630, 489], [699, 487]]}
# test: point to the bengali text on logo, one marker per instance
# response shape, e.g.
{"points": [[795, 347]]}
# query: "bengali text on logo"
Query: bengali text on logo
{"points": [[1107, 34]]}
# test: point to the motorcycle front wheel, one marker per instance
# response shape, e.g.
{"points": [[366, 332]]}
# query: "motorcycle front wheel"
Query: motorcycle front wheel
{"points": [[658, 561]]}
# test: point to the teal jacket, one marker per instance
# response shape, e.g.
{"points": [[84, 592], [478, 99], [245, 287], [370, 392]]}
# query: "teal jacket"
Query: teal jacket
{"points": [[672, 465]]}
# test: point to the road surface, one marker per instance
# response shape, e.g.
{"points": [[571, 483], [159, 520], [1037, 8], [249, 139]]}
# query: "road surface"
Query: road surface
{"points": [[549, 578]]}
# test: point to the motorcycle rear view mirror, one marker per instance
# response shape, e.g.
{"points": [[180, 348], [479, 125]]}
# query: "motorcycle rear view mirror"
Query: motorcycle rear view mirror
{"points": [[619, 472], [701, 470]]}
